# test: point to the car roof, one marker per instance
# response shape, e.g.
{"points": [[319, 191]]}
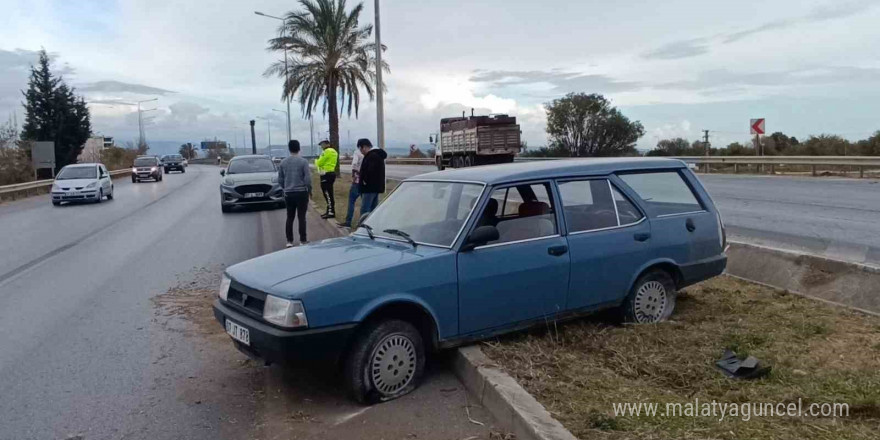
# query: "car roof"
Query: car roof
{"points": [[251, 156], [544, 169]]}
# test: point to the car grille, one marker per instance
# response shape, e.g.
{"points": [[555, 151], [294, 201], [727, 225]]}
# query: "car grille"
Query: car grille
{"points": [[143, 170], [244, 189], [246, 299]]}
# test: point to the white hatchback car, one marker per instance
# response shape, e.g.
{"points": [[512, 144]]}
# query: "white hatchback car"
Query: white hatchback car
{"points": [[82, 182]]}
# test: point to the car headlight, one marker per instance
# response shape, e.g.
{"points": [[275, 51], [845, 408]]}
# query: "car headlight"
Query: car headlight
{"points": [[55, 187], [284, 312], [153, 169], [275, 179], [224, 287], [133, 169], [92, 185]]}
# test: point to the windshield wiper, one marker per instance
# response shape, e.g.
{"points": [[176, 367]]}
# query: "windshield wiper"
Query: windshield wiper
{"points": [[369, 230], [400, 233]]}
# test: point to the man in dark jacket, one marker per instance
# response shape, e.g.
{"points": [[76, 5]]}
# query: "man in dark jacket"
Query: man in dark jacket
{"points": [[372, 175]]}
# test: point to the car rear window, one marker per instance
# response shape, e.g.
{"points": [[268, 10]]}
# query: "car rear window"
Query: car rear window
{"points": [[664, 192]]}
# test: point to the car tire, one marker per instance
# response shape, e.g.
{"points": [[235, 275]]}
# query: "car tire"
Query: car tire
{"points": [[56, 203], [100, 196], [183, 170], [398, 348], [134, 179], [166, 170], [651, 299], [225, 208], [110, 196]]}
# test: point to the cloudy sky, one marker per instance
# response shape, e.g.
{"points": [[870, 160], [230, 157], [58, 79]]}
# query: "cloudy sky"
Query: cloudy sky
{"points": [[678, 66]]}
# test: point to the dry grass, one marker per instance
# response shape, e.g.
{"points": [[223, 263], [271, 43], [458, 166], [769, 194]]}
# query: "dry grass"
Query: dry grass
{"points": [[819, 353], [340, 188]]}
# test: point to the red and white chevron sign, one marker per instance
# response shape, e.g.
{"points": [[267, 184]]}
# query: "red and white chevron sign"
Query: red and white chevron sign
{"points": [[757, 126]]}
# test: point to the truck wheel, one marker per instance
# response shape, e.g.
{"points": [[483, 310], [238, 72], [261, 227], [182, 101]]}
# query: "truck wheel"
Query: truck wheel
{"points": [[651, 299], [456, 162], [468, 161], [386, 361], [439, 160]]}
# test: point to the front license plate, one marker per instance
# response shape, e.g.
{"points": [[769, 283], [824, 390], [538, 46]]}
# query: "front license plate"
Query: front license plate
{"points": [[253, 195], [238, 332]]}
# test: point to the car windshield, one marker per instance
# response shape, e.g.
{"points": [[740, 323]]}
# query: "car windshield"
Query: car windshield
{"points": [[251, 165], [77, 173], [429, 212], [173, 157], [145, 162]]}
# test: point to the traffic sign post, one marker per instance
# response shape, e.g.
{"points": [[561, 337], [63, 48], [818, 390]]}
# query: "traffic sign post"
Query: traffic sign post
{"points": [[757, 128]]}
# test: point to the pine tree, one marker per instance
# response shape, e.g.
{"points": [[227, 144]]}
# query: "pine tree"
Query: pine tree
{"points": [[54, 113]]}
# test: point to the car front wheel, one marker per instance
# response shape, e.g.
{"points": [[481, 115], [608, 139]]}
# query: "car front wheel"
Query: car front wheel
{"points": [[386, 362], [651, 299]]}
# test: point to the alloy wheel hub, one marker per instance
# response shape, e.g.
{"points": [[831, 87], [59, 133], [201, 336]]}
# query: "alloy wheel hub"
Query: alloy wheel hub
{"points": [[393, 364]]}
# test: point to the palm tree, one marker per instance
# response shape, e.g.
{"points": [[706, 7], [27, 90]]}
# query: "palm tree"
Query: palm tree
{"points": [[330, 58]]}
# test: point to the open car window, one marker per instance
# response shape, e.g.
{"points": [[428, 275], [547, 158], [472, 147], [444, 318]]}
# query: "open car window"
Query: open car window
{"points": [[520, 212]]}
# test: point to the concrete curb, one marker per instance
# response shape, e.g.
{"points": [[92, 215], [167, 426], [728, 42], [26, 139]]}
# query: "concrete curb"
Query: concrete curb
{"points": [[842, 283], [515, 409]]}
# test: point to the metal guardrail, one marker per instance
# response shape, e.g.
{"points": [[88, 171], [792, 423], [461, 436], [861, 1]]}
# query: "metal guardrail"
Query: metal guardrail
{"points": [[39, 184]]}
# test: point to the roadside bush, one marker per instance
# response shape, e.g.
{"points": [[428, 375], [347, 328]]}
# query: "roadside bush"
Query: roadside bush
{"points": [[15, 166], [116, 158]]}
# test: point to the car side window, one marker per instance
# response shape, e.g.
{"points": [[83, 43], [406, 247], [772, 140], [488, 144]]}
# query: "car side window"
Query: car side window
{"points": [[587, 205], [626, 210], [664, 192], [520, 212]]}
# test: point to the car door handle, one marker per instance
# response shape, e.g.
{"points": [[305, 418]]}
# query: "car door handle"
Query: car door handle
{"points": [[689, 224], [642, 236], [557, 250]]}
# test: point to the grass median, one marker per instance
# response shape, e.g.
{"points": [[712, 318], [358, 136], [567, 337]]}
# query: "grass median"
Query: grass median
{"points": [[340, 189], [819, 354]]}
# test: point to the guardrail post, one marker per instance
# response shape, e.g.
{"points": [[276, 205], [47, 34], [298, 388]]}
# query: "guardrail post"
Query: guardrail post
{"points": [[861, 172], [814, 170], [773, 168], [735, 168]]}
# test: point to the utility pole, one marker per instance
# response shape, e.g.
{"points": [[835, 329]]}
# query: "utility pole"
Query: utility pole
{"points": [[253, 138], [706, 146], [312, 135], [380, 106]]}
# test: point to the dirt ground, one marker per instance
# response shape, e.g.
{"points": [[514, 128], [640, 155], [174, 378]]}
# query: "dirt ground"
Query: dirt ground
{"points": [[818, 354]]}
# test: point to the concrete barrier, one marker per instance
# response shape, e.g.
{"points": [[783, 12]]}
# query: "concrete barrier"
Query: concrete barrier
{"points": [[848, 284]]}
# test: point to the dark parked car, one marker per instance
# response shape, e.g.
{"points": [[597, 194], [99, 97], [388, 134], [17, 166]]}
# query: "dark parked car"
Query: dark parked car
{"points": [[146, 167], [456, 256], [173, 162]]}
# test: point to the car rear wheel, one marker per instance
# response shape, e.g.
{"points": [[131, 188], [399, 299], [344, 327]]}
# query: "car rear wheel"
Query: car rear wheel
{"points": [[651, 299], [386, 361]]}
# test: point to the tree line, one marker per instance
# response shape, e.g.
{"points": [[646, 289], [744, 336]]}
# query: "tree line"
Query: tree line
{"points": [[776, 144]]}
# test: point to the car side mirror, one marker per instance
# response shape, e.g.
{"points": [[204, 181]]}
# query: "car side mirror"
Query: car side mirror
{"points": [[222, 172], [481, 236]]}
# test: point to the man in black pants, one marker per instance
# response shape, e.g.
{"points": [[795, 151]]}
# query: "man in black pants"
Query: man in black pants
{"points": [[296, 181], [326, 165]]}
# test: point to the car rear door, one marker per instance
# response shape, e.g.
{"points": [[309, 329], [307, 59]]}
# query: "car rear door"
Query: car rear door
{"points": [[609, 239], [523, 275]]}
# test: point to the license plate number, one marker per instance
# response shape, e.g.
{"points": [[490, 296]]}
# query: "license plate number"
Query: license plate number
{"points": [[253, 195], [238, 332]]}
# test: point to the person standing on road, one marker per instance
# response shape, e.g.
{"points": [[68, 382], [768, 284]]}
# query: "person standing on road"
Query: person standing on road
{"points": [[372, 175], [354, 191], [326, 165], [296, 181]]}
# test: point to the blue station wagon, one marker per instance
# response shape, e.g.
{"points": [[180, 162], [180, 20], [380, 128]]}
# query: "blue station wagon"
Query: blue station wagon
{"points": [[456, 256]]}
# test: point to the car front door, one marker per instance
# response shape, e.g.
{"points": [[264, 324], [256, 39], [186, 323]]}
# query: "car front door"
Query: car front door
{"points": [[609, 238], [524, 274]]}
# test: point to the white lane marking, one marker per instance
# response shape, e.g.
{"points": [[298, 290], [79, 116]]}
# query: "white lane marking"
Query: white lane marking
{"points": [[347, 417]]}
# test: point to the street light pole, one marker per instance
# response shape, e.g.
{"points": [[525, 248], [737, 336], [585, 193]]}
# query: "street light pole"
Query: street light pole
{"points": [[141, 137], [288, 118], [380, 106], [286, 71]]}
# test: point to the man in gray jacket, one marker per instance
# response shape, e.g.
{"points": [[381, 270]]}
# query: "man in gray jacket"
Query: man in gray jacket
{"points": [[295, 179]]}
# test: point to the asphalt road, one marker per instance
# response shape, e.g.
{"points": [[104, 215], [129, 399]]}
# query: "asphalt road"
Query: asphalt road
{"points": [[833, 217], [108, 331]]}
